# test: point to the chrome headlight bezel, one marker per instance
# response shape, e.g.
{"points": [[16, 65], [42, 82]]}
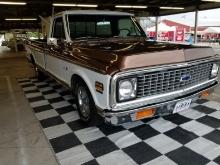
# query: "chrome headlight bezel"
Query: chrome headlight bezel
{"points": [[132, 84], [215, 69]]}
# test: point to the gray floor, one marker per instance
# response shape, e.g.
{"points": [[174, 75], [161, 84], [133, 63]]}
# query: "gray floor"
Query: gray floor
{"points": [[22, 141]]}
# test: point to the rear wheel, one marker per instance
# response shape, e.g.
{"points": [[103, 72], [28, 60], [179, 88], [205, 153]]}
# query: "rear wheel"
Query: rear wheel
{"points": [[40, 75], [85, 105]]}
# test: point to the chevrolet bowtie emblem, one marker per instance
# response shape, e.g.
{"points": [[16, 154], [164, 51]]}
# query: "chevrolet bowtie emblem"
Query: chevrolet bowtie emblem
{"points": [[185, 77]]}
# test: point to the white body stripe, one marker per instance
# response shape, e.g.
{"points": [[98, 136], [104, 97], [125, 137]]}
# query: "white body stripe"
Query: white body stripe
{"points": [[63, 70]]}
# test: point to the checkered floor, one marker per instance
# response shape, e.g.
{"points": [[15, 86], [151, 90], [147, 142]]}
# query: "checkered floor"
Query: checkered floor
{"points": [[190, 137]]}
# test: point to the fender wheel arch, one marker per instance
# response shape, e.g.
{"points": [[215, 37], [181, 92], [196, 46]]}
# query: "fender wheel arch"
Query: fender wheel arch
{"points": [[95, 119], [32, 59]]}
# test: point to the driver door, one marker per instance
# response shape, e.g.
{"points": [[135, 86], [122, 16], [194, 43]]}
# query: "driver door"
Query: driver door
{"points": [[54, 55]]}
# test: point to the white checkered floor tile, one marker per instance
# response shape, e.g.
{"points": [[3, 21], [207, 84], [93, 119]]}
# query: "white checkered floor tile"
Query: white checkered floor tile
{"points": [[190, 137]]}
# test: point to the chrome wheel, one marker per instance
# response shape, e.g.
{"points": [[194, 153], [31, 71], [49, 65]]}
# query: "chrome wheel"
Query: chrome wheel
{"points": [[83, 101]]}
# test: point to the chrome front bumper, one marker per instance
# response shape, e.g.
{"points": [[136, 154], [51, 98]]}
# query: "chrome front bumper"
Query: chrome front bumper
{"points": [[162, 108]]}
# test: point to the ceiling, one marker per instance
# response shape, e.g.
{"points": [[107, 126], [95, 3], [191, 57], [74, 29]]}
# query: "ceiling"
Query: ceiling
{"points": [[36, 8]]}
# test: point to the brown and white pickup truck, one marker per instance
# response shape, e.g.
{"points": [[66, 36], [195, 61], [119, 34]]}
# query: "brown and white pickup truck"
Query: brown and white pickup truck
{"points": [[115, 73]]}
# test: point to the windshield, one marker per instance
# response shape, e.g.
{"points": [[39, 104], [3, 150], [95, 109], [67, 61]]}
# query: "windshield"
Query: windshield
{"points": [[103, 26]]}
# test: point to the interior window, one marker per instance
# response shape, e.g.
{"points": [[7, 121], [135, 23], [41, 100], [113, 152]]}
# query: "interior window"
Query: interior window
{"points": [[104, 26], [80, 28], [58, 29]]}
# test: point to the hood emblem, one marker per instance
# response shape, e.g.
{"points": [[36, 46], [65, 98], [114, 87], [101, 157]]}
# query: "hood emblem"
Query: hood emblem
{"points": [[185, 77]]}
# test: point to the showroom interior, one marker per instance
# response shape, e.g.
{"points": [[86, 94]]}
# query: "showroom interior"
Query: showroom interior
{"points": [[109, 82]]}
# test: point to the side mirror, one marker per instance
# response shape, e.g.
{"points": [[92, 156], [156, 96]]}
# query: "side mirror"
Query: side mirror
{"points": [[52, 41]]}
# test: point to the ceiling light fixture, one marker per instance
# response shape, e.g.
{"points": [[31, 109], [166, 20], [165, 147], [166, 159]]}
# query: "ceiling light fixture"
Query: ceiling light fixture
{"points": [[12, 3], [211, 0], [20, 19], [13, 19], [171, 8], [73, 5], [29, 19], [129, 6], [64, 4], [84, 5]]}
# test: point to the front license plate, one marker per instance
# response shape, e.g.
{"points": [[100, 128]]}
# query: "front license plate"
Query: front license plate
{"points": [[182, 105]]}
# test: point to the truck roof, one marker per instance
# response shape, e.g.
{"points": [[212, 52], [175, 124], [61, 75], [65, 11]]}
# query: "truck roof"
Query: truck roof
{"points": [[93, 12]]}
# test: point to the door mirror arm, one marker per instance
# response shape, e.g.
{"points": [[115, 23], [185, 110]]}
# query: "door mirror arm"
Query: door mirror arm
{"points": [[52, 41], [59, 43]]}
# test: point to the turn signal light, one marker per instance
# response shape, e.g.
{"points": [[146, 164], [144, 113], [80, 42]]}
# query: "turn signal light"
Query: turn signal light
{"points": [[205, 94], [99, 87], [145, 113]]}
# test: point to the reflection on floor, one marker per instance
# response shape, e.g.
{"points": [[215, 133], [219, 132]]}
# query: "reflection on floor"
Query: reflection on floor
{"points": [[22, 141], [190, 137]]}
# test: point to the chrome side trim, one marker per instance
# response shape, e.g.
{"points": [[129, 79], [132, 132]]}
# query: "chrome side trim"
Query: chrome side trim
{"points": [[158, 98]]}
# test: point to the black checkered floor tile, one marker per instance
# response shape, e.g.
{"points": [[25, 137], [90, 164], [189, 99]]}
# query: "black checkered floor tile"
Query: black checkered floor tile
{"points": [[190, 137]]}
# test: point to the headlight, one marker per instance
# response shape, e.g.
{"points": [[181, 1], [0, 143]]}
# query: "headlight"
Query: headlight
{"points": [[214, 70], [127, 89]]}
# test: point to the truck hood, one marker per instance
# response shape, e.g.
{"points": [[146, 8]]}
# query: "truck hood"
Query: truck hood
{"points": [[110, 56]]}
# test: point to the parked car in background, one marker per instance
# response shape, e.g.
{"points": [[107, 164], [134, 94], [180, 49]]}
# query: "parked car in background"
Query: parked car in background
{"points": [[19, 42], [4, 43], [115, 73]]}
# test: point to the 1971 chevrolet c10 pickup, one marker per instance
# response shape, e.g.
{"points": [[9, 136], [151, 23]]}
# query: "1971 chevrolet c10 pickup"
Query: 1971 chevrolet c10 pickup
{"points": [[117, 75]]}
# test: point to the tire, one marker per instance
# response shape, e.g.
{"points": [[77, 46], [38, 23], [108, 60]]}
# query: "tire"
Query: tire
{"points": [[20, 47], [40, 75], [85, 105]]}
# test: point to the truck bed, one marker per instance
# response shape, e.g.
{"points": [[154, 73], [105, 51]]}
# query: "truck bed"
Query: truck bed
{"points": [[39, 43]]}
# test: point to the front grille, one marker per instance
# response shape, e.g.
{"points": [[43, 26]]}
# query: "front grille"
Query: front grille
{"points": [[165, 81]]}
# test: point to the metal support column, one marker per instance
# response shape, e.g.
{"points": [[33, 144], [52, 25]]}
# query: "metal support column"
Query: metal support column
{"points": [[38, 34], [15, 41], [156, 27], [138, 20], [52, 11], [196, 25]]}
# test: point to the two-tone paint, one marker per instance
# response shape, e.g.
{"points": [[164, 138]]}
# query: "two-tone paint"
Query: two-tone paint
{"points": [[105, 60]]}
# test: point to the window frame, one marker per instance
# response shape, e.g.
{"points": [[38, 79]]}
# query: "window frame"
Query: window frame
{"points": [[63, 34]]}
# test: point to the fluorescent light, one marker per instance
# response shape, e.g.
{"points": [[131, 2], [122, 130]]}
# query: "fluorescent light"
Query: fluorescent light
{"points": [[74, 5], [12, 3], [20, 19], [13, 19], [84, 5], [29, 19], [172, 8], [129, 6], [211, 0], [64, 4]]}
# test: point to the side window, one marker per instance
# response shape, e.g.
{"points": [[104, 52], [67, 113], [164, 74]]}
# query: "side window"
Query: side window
{"points": [[128, 24], [58, 29]]}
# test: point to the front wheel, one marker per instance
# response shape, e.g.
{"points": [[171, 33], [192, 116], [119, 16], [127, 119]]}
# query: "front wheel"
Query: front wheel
{"points": [[86, 106]]}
